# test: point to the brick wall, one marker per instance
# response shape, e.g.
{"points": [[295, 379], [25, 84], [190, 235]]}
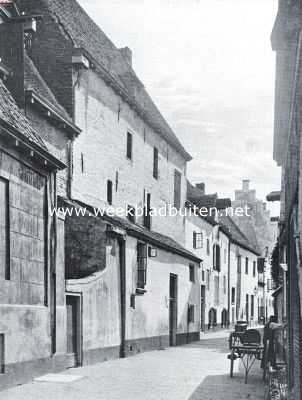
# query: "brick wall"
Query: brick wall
{"points": [[54, 62]]}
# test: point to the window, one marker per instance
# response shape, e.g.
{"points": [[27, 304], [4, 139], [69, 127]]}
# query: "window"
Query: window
{"points": [[147, 212], [177, 189], [155, 163], [191, 313], [109, 192], [239, 264], [129, 145], [202, 275], [216, 290], [225, 255], [233, 295], [2, 354], [252, 306], [208, 247], [82, 163], [116, 181], [197, 240], [141, 265], [208, 279], [192, 272], [216, 257], [131, 213], [246, 265], [4, 227], [254, 268], [224, 284]]}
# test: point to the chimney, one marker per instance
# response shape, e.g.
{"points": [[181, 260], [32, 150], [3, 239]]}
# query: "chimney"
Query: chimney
{"points": [[127, 54], [201, 187], [246, 185], [12, 56]]}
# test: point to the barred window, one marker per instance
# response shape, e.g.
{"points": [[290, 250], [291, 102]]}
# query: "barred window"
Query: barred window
{"points": [[142, 260]]}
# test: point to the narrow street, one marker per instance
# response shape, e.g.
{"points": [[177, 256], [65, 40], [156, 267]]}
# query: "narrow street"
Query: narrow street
{"points": [[199, 371]]}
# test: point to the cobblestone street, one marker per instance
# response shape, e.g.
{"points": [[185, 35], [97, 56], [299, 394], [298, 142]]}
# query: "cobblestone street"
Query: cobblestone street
{"points": [[199, 371]]}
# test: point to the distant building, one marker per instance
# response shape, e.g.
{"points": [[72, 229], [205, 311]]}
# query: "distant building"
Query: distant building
{"points": [[228, 275]]}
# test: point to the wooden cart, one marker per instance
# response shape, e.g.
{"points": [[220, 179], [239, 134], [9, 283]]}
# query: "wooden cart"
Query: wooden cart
{"points": [[248, 349]]}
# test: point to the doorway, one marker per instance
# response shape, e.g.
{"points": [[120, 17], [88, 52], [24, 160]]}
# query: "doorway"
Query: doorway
{"points": [[202, 307], [74, 345], [173, 310]]}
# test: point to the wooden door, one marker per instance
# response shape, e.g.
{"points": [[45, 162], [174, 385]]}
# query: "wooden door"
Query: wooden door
{"points": [[73, 328], [173, 310]]}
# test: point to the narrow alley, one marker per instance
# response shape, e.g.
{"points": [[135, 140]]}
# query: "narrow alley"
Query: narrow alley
{"points": [[198, 371]]}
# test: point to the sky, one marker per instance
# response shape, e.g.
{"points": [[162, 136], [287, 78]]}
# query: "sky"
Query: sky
{"points": [[209, 67]]}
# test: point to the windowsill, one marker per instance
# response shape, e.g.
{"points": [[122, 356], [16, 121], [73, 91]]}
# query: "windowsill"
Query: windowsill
{"points": [[140, 291]]}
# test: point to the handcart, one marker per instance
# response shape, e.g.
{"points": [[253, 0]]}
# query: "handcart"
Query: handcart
{"points": [[248, 349]]}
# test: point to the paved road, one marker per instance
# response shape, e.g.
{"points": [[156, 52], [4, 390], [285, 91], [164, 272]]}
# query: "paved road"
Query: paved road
{"points": [[194, 372]]}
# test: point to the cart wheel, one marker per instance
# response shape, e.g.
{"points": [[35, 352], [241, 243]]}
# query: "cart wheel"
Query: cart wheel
{"points": [[232, 364]]}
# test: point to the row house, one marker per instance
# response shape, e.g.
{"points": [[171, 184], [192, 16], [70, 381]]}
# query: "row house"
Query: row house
{"points": [[130, 285], [28, 171], [229, 269], [286, 42]]}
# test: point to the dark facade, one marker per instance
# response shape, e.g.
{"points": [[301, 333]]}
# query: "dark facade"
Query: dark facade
{"points": [[286, 41]]}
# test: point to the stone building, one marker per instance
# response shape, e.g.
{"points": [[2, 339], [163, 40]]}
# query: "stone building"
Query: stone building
{"points": [[261, 231], [28, 258], [228, 274], [286, 42], [118, 269]]}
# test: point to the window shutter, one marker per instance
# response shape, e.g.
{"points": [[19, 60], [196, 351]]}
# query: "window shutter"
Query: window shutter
{"points": [[194, 240]]}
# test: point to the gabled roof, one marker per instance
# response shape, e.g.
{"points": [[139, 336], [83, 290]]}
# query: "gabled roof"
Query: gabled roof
{"points": [[236, 234], [86, 34], [34, 81], [16, 125], [11, 113]]}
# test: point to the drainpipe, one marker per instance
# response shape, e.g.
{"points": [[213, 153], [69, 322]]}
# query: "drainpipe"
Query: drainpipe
{"points": [[122, 249], [229, 283]]}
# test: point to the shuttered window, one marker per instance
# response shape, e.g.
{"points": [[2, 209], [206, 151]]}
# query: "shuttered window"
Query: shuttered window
{"points": [[155, 163], [142, 260], [177, 189]]}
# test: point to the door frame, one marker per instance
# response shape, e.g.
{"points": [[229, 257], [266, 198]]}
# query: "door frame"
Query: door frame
{"points": [[173, 325], [79, 327]]}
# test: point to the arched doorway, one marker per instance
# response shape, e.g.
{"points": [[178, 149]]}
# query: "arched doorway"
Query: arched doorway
{"points": [[224, 318], [212, 318]]}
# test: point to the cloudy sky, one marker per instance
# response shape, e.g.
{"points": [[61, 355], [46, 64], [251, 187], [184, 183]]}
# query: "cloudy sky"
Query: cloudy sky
{"points": [[209, 67]]}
